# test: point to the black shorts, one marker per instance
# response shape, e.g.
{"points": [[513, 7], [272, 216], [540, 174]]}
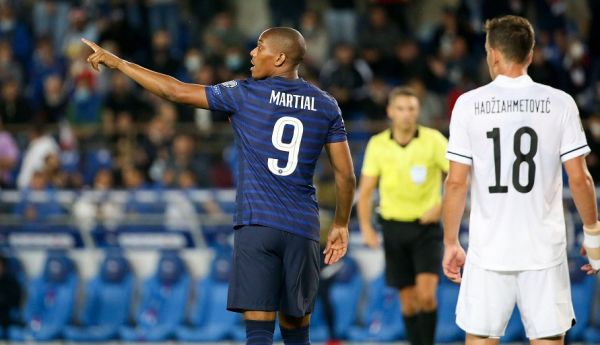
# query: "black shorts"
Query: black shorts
{"points": [[410, 248], [273, 270]]}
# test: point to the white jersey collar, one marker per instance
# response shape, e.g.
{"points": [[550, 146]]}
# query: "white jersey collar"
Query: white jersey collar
{"points": [[520, 81]]}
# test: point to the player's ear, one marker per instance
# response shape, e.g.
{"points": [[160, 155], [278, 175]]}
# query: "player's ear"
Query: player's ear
{"points": [[280, 59], [529, 58]]}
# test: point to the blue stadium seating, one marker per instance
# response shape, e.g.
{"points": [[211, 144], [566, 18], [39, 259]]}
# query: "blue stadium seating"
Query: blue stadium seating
{"points": [[210, 320], [163, 302], [447, 331], [107, 302], [51, 298], [382, 315], [94, 161], [345, 295], [582, 294]]}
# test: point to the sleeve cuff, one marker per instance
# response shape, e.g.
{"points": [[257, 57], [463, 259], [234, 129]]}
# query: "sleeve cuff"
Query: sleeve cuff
{"points": [[458, 157], [576, 152]]}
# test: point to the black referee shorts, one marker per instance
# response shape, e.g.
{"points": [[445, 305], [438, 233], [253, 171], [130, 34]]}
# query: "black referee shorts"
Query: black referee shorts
{"points": [[410, 248], [273, 270]]}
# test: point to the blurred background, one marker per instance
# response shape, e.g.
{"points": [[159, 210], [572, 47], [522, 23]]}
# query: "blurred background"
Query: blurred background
{"points": [[113, 201]]}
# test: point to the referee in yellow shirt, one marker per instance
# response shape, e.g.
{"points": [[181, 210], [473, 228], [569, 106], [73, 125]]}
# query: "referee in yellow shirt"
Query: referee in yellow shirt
{"points": [[406, 162]]}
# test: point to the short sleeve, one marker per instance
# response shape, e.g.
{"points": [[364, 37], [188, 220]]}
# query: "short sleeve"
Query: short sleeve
{"points": [[459, 145], [227, 96], [572, 142], [440, 152], [371, 166], [337, 130]]}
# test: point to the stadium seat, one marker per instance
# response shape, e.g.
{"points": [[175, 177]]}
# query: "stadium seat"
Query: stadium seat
{"points": [[447, 295], [94, 161], [164, 298], [382, 316], [51, 298], [107, 302], [345, 295], [210, 320]]}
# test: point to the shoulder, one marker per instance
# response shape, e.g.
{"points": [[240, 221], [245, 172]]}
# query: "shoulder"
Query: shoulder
{"points": [[327, 99], [380, 137], [238, 83], [472, 95], [554, 95], [432, 133]]}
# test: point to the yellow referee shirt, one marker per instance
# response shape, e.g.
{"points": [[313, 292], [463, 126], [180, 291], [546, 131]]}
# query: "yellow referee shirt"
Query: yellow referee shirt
{"points": [[410, 177]]}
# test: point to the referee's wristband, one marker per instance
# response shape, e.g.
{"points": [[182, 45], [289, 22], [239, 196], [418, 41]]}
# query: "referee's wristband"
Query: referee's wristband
{"points": [[591, 242]]}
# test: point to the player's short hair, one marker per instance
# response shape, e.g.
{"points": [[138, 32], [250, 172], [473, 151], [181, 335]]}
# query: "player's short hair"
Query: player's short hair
{"points": [[513, 36], [402, 91]]}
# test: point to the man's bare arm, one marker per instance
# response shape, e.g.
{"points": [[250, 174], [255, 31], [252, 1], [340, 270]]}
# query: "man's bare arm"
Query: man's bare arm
{"points": [[345, 185], [582, 189], [453, 207], [365, 209], [159, 84], [345, 180], [455, 198]]}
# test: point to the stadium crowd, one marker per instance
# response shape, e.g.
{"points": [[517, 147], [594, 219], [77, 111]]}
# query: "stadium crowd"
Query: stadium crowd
{"points": [[63, 126]]}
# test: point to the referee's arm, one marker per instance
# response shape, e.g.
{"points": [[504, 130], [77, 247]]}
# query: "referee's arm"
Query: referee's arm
{"points": [[367, 187]]}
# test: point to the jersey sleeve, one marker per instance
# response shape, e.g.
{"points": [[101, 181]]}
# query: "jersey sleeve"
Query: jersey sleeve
{"points": [[459, 145], [227, 96], [440, 152], [337, 130], [572, 142], [371, 166]]}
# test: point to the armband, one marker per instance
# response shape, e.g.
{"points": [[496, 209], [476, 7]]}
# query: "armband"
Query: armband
{"points": [[591, 243]]}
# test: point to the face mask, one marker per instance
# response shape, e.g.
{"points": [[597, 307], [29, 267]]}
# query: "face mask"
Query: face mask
{"points": [[576, 50], [233, 62], [82, 94], [595, 129], [193, 63], [7, 25]]}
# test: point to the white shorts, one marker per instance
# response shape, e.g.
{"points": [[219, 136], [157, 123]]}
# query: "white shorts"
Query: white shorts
{"points": [[487, 298]]}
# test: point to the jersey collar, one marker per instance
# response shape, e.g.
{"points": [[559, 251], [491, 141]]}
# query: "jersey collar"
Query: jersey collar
{"points": [[411, 140], [520, 81]]}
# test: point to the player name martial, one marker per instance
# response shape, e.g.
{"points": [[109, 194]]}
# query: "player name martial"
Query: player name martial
{"points": [[292, 101], [502, 106]]}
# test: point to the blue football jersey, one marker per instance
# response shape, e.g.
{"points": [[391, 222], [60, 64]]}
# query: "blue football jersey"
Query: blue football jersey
{"points": [[280, 126]]}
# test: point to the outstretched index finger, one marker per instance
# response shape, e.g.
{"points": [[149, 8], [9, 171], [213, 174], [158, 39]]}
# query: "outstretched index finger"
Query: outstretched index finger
{"points": [[91, 44]]}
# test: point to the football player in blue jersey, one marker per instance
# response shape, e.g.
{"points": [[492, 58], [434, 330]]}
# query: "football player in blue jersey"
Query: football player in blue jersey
{"points": [[281, 124]]}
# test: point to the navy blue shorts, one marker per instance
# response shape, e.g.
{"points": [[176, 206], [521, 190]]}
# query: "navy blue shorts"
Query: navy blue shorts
{"points": [[273, 270]]}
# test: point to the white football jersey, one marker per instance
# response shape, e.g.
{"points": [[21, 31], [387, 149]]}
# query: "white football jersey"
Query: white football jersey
{"points": [[515, 133]]}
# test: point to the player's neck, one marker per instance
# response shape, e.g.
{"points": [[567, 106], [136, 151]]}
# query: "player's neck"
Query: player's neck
{"points": [[512, 71], [403, 136], [290, 74]]}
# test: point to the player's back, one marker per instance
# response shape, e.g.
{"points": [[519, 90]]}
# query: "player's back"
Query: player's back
{"points": [[281, 126], [516, 133]]}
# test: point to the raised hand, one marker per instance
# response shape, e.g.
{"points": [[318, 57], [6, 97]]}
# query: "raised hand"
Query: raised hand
{"points": [[101, 56]]}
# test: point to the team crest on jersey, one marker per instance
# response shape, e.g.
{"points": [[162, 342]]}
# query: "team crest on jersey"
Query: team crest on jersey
{"points": [[231, 83]]}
